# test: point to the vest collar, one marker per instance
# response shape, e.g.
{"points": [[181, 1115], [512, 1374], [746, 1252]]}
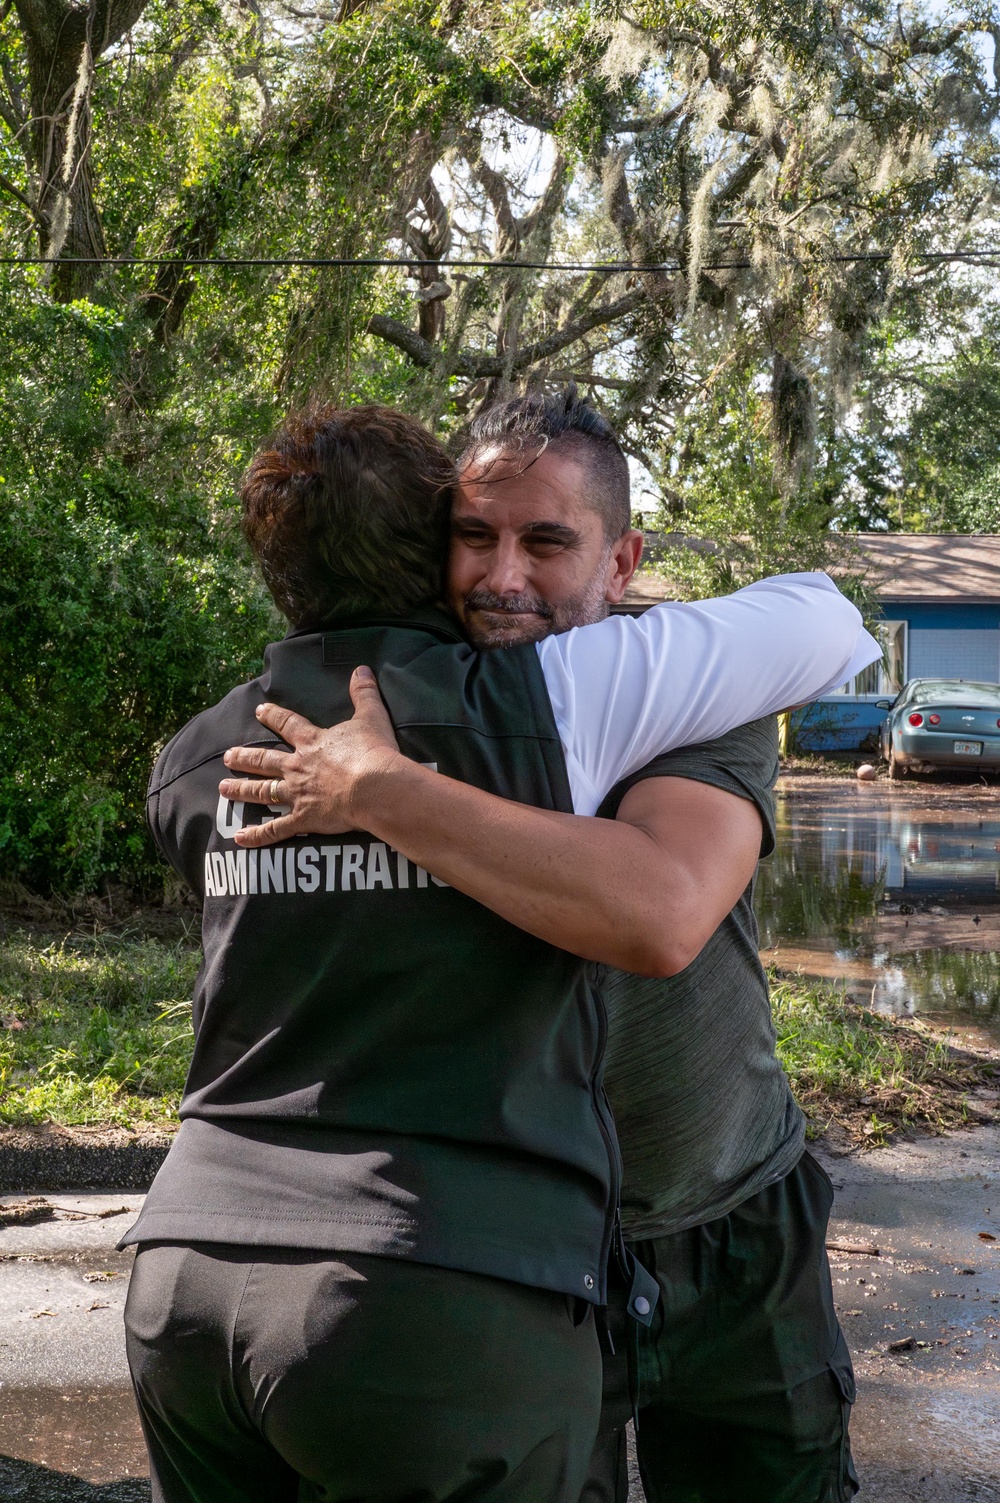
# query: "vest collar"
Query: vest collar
{"points": [[429, 618]]}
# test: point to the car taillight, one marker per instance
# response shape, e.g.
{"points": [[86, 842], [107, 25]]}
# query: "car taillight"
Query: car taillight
{"points": [[934, 720], [916, 718]]}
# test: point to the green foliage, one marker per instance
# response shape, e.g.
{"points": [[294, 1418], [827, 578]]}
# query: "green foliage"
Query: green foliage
{"points": [[124, 607], [97, 1028], [927, 452], [777, 139], [975, 506], [724, 516], [94, 1030]]}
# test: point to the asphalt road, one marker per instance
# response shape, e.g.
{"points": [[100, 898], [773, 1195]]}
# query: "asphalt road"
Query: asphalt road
{"points": [[925, 1426]]}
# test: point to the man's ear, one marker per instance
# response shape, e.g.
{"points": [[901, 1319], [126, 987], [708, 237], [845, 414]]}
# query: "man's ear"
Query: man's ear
{"points": [[625, 556]]}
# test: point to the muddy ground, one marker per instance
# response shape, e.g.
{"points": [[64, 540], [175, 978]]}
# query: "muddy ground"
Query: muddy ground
{"points": [[68, 1427], [927, 1418], [925, 1426]]}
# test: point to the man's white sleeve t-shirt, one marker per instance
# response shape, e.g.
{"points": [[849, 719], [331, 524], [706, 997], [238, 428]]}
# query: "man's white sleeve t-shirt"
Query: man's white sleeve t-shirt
{"points": [[626, 689]]}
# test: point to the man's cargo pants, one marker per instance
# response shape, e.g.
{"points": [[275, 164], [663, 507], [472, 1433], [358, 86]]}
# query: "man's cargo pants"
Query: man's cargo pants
{"points": [[743, 1384]]}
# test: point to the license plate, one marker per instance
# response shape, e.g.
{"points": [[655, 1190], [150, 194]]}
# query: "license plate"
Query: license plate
{"points": [[969, 748]]}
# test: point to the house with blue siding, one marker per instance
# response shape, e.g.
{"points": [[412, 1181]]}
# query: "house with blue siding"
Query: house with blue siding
{"points": [[939, 601]]}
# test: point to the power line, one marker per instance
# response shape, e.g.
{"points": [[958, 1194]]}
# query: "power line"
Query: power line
{"points": [[982, 256]]}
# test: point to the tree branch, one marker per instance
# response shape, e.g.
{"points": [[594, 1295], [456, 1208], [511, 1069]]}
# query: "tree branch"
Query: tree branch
{"points": [[205, 211], [583, 378], [430, 245], [420, 350], [12, 109], [560, 338], [621, 211], [643, 123], [51, 24], [439, 239], [15, 192], [495, 187], [469, 363], [541, 216]]}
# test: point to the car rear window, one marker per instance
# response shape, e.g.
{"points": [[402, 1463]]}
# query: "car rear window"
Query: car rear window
{"points": [[955, 692]]}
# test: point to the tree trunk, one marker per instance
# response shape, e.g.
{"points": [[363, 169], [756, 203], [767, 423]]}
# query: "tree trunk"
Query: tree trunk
{"points": [[62, 43]]}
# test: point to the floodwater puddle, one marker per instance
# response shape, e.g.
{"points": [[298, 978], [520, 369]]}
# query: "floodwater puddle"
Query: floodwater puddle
{"points": [[893, 893], [91, 1433]]}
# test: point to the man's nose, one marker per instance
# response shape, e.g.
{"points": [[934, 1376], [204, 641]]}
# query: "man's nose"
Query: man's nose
{"points": [[506, 574]]}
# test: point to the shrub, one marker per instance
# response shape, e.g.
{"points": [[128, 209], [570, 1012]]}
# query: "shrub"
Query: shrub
{"points": [[126, 605]]}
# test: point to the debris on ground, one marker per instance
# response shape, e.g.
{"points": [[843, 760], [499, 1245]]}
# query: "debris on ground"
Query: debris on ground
{"points": [[37, 1208]]}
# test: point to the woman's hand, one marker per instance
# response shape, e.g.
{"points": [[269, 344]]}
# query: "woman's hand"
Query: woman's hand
{"points": [[327, 782]]}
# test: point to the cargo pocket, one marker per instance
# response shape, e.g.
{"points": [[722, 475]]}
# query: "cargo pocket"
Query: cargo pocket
{"points": [[843, 1375]]}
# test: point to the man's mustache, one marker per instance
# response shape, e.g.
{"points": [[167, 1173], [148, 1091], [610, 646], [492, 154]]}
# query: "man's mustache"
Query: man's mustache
{"points": [[511, 605]]}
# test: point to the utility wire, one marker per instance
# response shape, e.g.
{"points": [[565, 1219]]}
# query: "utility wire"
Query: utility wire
{"points": [[985, 257]]}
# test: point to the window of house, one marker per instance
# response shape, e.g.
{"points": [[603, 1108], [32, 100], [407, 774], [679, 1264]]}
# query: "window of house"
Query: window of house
{"points": [[883, 679]]}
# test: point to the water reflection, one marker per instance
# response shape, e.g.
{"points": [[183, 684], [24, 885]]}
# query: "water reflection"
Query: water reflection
{"points": [[87, 1433], [895, 895], [940, 980]]}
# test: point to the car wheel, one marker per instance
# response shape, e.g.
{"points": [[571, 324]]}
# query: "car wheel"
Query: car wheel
{"points": [[896, 768]]}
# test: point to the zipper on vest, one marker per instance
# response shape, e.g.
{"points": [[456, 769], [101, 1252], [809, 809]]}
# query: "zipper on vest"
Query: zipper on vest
{"points": [[605, 1122], [642, 1290]]}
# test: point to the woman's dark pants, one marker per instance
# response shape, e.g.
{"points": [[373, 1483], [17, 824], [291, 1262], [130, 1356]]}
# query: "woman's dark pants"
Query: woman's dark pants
{"points": [[276, 1376]]}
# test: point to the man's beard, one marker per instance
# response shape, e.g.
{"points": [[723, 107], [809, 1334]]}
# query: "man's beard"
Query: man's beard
{"points": [[514, 620]]}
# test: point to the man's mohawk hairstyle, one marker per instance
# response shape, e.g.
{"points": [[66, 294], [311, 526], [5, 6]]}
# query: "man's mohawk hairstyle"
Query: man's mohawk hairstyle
{"points": [[566, 421]]}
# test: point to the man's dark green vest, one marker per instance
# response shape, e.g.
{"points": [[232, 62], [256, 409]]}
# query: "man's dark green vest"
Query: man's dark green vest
{"points": [[382, 1065]]}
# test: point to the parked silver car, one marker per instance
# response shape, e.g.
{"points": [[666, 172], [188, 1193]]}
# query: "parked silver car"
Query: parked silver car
{"points": [[941, 722]]}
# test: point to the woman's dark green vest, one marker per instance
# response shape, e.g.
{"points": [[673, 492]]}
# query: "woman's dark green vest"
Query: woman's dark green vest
{"points": [[382, 1065]]}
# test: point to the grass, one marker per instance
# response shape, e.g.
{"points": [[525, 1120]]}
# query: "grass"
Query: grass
{"points": [[95, 1028], [873, 1075]]}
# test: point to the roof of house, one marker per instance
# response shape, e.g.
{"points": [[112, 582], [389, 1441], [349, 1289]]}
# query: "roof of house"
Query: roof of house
{"points": [[950, 566], [928, 566]]}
